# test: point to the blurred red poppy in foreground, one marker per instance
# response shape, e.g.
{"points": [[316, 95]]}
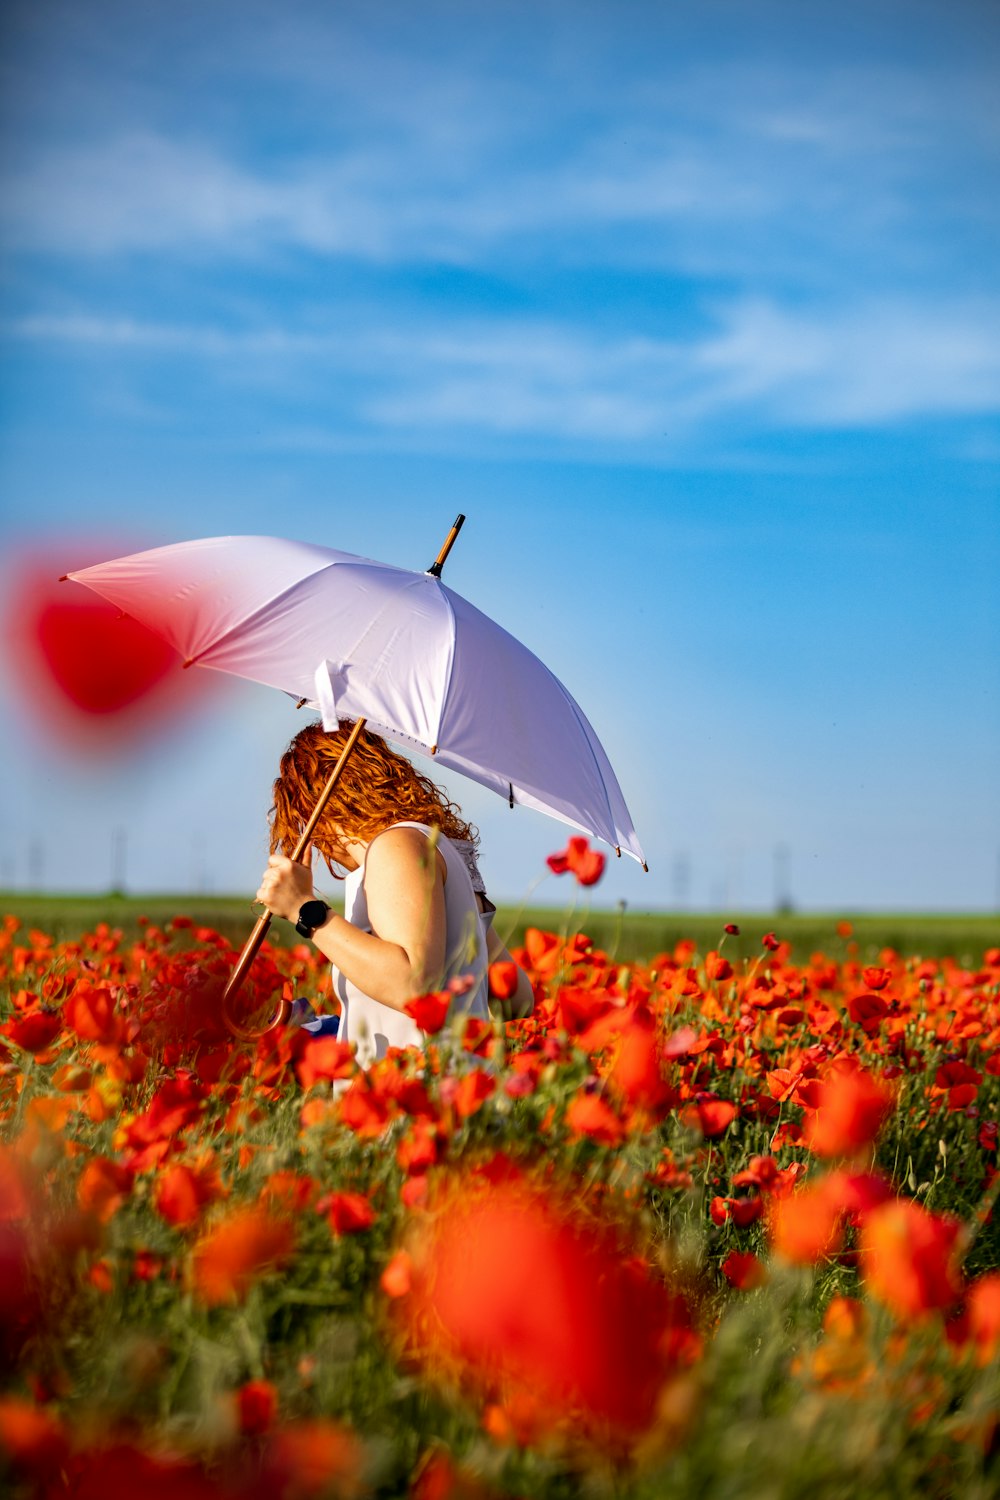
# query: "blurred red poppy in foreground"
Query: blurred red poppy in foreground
{"points": [[511, 1291], [87, 671], [230, 1257], [909, 1258]]}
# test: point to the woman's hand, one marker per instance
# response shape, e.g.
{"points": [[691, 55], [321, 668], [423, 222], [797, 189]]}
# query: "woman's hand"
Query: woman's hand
{"points": [[285, 886]]}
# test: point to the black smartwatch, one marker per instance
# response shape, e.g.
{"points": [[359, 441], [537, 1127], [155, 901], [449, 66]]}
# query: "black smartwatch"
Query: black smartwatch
{"points": [[312, 914]]}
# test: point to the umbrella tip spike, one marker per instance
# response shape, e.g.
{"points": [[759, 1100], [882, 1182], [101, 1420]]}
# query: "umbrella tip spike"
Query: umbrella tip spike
{"points": [[618, 850], [510, 786], [645, 867], [189, 663], [434, 571], [64, 578]]}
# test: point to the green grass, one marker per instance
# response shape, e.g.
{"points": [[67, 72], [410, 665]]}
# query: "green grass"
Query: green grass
{"points": [[630, 936]]}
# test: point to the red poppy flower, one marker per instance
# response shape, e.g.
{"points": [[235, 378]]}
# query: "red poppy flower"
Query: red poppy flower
{"points": [[347, 1213], [908, 1258], [324, 1057], [983, 1304], [230, 1257], [951, 1075], [511, 1290], [635, 1074], [474, 1089], [289, 1192], [15, 1192], [34, 1031], [580, 860], [119, 1470], [396, 1279], [183, 1190], [103, 1187], [176, 1105], [858, 1193], [868, 1012], [146, 1266], [851, 1108], [503, 980], [313, 1458], [712, 1117], [743, 1270], [363, 1110], [716, 967], [807, 1226], [90, 1011], [101, 1276], [33, 1440], [542, 951], [746, 1211], [589, 1115], [580, 1007], [257, 1406], [430, 1011], [681, 1043]]}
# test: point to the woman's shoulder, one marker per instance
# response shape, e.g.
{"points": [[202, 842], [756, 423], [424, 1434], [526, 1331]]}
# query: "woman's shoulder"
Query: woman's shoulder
{"points": [[403, 842], [402, 833]]}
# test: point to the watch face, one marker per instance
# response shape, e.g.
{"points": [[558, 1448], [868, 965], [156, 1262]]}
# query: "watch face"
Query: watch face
{"points": [[313, 913]]}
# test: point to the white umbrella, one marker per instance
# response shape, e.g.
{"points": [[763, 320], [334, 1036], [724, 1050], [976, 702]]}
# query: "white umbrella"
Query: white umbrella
{"points": [[398, 649], [360, 639]]}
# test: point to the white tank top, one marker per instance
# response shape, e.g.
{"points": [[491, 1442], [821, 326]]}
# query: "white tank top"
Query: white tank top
{"points": [[376, 1027]]}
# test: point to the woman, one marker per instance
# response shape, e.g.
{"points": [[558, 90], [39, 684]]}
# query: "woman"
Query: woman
{"points": [[413, 919]]}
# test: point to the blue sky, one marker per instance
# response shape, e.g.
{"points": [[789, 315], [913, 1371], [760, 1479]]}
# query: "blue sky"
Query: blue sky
{"points": [[694, 310]]}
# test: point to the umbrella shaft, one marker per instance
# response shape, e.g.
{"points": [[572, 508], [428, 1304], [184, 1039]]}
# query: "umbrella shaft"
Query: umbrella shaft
{"points": [[325, 794], [252, 946]]}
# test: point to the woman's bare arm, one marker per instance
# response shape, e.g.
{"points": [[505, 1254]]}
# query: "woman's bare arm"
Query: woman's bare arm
{"points": [[404, 954]]}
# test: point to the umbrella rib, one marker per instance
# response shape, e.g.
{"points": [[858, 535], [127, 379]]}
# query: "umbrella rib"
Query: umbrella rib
{"points": [[255, 614], [578, 715], [446, 699]]}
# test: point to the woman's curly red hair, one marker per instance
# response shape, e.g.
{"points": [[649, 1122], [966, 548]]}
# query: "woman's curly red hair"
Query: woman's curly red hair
{"points": [[377, 788]]}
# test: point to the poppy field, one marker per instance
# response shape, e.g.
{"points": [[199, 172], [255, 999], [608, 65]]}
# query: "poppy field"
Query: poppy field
{"points": [[698, 1226]]}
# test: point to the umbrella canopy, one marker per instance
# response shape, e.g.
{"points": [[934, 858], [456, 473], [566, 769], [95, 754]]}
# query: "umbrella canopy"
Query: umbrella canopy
{"points": [[361, 639]]}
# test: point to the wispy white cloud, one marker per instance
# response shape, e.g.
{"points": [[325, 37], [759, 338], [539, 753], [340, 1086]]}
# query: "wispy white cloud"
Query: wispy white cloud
{"points": [[146, 192], [143, 192], [777, 172], [201, 340], [871, 366], [872, 363]]}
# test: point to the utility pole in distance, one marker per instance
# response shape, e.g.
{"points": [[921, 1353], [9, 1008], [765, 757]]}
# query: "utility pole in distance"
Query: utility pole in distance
{"points": [[119, 850], [782, 878], [36, 864]]}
